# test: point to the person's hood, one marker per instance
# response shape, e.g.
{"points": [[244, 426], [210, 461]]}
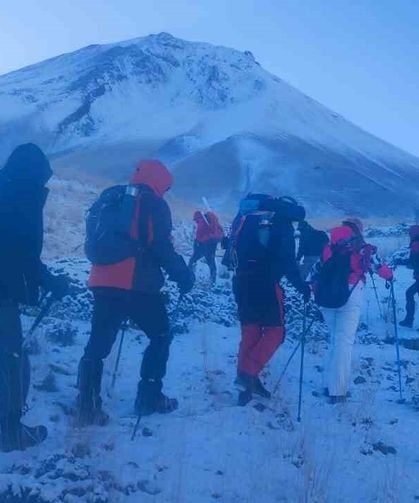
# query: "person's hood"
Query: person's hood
{"points": [[154, 174], [27, 165], [414, 231], [355, 223], [341, 233]]}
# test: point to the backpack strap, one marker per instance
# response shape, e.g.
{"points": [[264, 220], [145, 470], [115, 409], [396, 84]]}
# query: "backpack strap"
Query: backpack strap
{"points": [[143, 222]]}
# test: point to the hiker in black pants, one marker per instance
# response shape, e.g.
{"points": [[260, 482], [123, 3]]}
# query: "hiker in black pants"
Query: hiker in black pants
{"points": [[22, 274], [129, 288], [413, 262]]}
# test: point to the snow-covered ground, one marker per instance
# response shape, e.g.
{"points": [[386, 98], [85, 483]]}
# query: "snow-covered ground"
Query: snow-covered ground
{"points": [[210, 449]]}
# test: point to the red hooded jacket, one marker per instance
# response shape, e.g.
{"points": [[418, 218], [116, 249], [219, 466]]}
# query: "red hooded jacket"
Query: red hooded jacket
{"points": [[363, 259], [152, 223], [208, 227]]}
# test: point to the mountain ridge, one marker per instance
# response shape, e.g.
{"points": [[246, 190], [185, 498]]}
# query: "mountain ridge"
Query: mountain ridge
{"points": [[182, 99]]}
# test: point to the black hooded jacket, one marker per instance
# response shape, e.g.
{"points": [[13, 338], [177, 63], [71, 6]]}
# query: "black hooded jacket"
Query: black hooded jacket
{"points": [[22, 199]]}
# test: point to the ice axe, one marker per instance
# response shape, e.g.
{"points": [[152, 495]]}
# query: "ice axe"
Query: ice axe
{"points": [[206, 203], [38, 320], [207, 208], [124, 327], [374, 286]]}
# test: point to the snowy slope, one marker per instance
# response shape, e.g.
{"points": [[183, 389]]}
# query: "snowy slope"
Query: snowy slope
{"points": [[210, 450], [207, 110]]}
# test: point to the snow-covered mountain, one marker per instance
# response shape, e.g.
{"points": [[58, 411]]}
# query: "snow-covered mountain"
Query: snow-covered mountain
{"points": [[223, 124]]}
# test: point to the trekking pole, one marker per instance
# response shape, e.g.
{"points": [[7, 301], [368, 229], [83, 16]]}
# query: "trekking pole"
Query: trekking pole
{"points": [[41, 315], [396, 335], [118, 358], [374, 286], [137, 424], [303, 340], [294, 352]]}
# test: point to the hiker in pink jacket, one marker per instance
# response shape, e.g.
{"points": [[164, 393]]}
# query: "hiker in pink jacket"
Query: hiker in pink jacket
{"points": [[339, 285]]}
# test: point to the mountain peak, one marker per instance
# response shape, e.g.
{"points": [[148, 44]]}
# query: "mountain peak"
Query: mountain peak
{"points": [[192, 100]]}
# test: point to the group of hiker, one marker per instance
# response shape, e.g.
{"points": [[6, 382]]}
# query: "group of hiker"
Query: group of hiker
{"points": [[129, 243]]}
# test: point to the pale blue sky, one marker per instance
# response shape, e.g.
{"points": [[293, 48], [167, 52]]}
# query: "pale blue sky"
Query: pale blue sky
{"points": [[359, 57]]}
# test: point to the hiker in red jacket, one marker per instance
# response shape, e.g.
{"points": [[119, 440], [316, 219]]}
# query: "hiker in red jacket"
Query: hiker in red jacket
{"points": [[131, 289], [339, 284], [208, 234]]}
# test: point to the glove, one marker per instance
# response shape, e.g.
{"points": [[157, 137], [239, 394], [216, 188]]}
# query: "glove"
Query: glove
{"points": [[385, 272], [306, 292], [59, 286], [187, 282]]}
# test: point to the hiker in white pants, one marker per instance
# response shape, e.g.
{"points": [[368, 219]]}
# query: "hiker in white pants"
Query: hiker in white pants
{"points": [[342, 324], [339, 282]]}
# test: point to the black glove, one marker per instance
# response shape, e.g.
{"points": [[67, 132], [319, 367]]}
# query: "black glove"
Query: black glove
{"points": [[59, 286], [306, 292], [187, 282]]}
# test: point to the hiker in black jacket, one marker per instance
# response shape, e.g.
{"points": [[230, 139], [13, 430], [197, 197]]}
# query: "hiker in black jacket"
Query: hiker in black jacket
{"points": [[262, 247], [22, 198], [412, 262]]}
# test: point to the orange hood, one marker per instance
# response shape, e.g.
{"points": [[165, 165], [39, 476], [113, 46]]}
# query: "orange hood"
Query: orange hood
{"points": [[154, 174]]}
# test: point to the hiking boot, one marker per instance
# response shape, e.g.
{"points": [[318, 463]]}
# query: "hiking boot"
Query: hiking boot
{"points": [[89, 402], [245, 397], [14, 386], [260, 389], [90, 414], [165, 405], [406, 323], [334, 399], [327, 394], [252, 384], [150, 399], [213, 278], [20, 437]]}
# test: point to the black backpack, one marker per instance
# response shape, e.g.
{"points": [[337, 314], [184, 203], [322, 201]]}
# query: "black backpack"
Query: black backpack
{"points": [[331, 287], [414, 253], [108, 226], [249, 240], [313, 241], [251, 231]]}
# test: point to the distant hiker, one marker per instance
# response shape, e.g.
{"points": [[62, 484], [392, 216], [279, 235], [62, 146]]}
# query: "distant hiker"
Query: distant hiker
{"points": [[339, 284], [208, 234], [413, 262], [22, 274], [310, 248], [261, 252], [129, 242]]}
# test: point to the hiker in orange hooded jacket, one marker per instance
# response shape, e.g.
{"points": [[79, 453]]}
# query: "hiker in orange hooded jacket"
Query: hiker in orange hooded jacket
{"points": [[130, 289]]}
